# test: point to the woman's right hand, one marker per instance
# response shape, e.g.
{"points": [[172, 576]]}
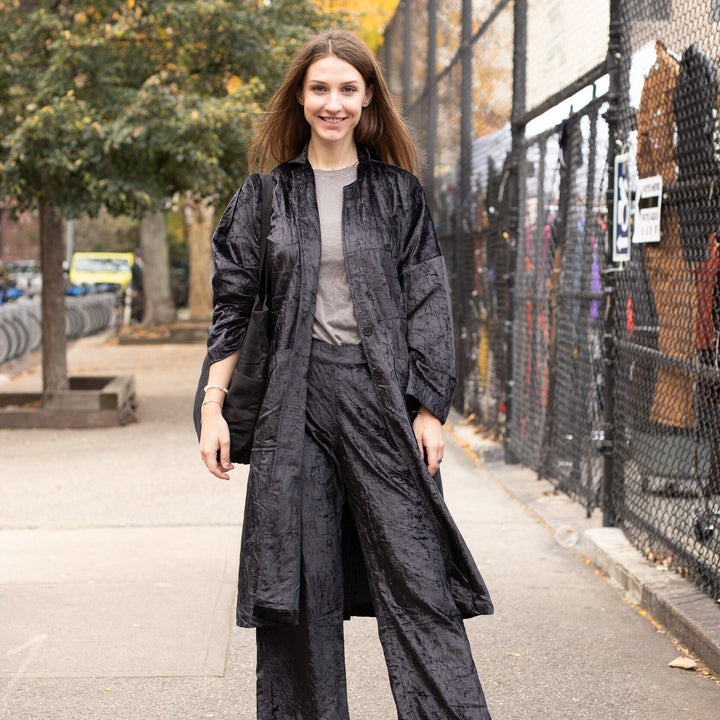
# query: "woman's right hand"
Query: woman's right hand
{"points": [[214, 436], [214, 432]]}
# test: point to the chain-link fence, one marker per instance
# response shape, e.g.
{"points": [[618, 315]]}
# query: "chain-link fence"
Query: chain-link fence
{"points": [[666, 460], [597, 364], [557, 396], [557, 408], [459, 110]]}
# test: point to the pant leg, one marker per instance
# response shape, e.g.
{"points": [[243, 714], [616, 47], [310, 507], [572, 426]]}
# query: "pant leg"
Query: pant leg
{"points": [[301, 669], [428, 654]]}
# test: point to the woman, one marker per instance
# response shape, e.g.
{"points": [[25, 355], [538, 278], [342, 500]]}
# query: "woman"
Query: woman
{"points": [[344, 512]]}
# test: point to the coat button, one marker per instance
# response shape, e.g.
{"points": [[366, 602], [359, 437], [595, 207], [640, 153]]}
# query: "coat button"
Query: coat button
{"points": [[376, 375], [367, 331]]}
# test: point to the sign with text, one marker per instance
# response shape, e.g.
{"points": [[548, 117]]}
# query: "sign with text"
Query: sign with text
{"points": [[621, 210], [648, 207]]}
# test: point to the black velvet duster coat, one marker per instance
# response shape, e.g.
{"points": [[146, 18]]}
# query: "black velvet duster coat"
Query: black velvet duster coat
{"points": [[400, 294]]}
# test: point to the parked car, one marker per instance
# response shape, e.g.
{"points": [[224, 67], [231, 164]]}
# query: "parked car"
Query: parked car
{"points": [[102, 271]]}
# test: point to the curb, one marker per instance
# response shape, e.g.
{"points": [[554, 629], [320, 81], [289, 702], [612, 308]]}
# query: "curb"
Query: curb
{"points": [[689, 615]]}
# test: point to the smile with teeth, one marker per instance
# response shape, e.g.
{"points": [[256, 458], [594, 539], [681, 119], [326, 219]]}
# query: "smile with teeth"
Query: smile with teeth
{"points": [[333, 120]]}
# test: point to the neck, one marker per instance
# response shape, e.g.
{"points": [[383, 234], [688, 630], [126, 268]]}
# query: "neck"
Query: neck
{"points": [[322, 157]]}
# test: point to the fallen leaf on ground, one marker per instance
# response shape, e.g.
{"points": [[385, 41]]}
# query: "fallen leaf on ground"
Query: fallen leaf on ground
{"points": [[684, 663]]}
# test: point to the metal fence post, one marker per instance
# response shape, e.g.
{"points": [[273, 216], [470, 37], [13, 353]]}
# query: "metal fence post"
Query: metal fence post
{"points": [[513, 189], [387, 55], [432, 100], [617, 64], [407, 58], [466, 107], [463, 226]]}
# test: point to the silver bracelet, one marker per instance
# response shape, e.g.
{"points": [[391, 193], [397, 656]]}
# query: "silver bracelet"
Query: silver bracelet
{"points": [[217, 387], [208, 402]]}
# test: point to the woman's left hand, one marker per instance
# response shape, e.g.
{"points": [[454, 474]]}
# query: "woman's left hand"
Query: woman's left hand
{"points": [[429, 435]]}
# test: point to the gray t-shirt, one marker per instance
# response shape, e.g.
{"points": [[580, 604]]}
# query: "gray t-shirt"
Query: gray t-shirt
{"points": [[335, 321]]}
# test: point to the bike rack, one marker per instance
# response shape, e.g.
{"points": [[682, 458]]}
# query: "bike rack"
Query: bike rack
{"points": [[21, 322]]}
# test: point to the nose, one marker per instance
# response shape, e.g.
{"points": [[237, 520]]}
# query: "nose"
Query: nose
{"points": [[333, 104]]}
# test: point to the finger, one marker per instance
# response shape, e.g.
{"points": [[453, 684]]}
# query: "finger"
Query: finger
{"points": [[209, 456], [418, 430], [432, 459], [225, 463], [218, 472], [435, 449]]}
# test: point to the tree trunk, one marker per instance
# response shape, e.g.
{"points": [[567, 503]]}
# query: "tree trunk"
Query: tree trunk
{"points": [[200, 220], [159, 306], [54, 346]]}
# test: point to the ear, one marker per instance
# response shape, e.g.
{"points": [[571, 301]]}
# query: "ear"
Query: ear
{"points": [[368, 96], [299, 95]]}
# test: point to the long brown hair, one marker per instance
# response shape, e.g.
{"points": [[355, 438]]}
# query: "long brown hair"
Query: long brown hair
{"points": [[284, 132]]}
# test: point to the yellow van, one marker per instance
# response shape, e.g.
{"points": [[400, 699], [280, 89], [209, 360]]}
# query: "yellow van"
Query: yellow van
{"points": [[108, 271]]}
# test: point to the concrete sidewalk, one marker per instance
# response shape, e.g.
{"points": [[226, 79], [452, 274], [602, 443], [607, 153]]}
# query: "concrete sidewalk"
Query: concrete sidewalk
{"points": [[118, 563]]}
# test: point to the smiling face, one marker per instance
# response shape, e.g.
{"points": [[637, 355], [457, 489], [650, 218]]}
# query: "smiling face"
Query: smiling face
{"points": [[333, 95]]}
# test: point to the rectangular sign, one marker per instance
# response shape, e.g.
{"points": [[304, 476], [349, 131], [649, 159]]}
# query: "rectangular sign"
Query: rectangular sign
{"points": [[621, 210], [648, 207]]}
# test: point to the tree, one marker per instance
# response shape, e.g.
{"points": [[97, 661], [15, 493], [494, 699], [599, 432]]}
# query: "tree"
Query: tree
{"points": [[199, 218], [367, 19], [124, 105], [48, 139]]}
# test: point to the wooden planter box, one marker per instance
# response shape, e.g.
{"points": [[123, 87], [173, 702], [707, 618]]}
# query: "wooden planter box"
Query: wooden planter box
{"points": [[89, 402]]}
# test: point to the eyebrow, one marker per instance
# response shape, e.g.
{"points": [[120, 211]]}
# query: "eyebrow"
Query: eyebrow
{"points": [[342, 82]]}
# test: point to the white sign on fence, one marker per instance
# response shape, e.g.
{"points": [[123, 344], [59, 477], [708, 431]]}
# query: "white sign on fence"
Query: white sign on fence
{"points": [[648, 207]]}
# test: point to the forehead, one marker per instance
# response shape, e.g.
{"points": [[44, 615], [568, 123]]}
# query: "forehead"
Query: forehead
{"points": [[332, 69]]}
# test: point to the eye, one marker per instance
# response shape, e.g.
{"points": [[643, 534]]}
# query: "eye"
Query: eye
{"points": [[349, 89], [317, 88]]}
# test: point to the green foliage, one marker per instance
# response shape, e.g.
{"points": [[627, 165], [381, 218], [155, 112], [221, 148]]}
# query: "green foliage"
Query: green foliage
{"points": [[51, 154], [124, 104]]}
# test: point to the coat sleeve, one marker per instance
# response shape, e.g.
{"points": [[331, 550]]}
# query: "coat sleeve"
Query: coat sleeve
{"points": [[235, 248], [423, 278]]}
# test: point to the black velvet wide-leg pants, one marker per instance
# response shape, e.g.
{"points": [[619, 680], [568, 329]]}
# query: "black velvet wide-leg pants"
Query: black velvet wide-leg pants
{"points": [[349, 457]]}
